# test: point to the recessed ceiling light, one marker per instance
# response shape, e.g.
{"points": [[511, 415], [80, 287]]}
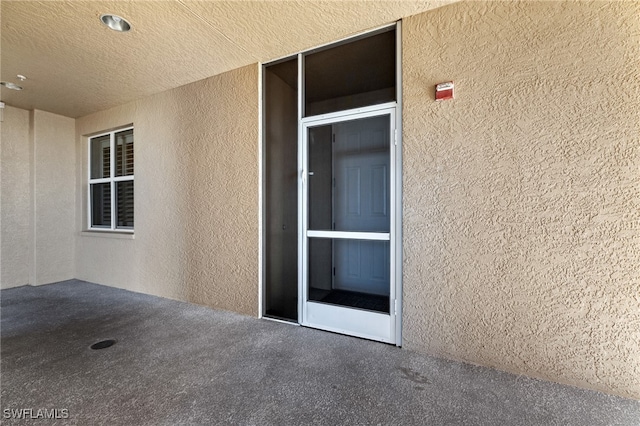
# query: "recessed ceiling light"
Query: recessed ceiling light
{"points": [[115, 22], [10, 85]]}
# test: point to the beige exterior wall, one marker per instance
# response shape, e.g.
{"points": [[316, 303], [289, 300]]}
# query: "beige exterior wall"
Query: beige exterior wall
{"points": [[15, 198], [196, 195], [54, 162], [522, 195], [38, 198]]}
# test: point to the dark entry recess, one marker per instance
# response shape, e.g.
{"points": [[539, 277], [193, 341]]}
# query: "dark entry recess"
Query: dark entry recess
{"points": [[281, 190], [360, 72], [350, 75]]}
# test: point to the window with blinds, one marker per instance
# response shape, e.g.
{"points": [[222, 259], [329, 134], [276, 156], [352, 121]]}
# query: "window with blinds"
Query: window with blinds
{"points": [[111, 177]]}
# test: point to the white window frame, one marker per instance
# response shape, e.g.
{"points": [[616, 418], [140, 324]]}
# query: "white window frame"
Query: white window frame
{"points": [[112, 180]]}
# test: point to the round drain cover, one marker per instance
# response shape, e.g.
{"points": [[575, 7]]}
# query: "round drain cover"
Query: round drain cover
{"points": [[103, 344]]}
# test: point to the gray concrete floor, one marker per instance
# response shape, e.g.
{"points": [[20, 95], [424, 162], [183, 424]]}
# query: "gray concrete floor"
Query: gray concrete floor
{"points": [[176, 363]]}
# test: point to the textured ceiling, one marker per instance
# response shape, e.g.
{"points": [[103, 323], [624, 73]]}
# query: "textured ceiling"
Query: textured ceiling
{"points": [[75, 65]]}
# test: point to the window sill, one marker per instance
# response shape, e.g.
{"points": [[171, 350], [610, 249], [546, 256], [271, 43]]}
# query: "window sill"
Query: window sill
{"points": [[108, 234]]}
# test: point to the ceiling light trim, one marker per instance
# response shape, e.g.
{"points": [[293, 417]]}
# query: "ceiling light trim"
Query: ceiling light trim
{"points": [[115, 22], [10, 85]]}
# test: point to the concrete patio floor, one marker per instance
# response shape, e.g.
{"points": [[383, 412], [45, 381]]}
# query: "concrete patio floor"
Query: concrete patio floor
{"points": [[177, 363]]}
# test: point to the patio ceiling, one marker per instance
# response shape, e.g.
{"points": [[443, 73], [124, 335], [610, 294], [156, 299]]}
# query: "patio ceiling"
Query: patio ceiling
{"points": [[76, 66]]}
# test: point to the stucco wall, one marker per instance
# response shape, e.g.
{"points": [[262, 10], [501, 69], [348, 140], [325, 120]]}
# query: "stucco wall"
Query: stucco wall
{"points": [[522, 195], [54, 162], [15, 202], [38, 197], [196, 195]]}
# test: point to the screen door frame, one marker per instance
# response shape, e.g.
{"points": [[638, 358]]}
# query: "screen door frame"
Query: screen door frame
{"points": [[342, 319]]}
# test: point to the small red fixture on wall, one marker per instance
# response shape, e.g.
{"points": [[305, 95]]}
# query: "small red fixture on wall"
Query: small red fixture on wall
{"points": [[444, 91]]}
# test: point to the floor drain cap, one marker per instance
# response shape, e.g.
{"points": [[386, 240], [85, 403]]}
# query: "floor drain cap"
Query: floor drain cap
{"points": [[103, 344]]}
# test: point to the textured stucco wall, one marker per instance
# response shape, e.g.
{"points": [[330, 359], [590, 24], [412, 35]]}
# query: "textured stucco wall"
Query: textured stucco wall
{"points": [[522, 195], [196, 195], [54, 162], [15, 193], [38, 197]]}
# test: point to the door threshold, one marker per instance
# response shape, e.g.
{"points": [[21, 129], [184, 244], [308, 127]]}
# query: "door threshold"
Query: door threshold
{"points": [[281, 320]]}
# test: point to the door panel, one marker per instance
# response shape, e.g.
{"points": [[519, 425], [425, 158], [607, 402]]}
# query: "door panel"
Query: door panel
{"points": [[379, 190], [361, 183], [362, 266], [353, 201]]}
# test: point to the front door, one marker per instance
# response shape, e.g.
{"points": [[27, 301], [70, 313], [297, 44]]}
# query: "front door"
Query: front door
{"points": [[347, 226]]}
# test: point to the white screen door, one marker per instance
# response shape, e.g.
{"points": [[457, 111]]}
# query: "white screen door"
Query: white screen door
{"points": [[347, 222]]}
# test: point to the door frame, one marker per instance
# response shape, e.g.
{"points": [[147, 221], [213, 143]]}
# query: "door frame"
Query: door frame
{"points": [[367, 324], [397, 255]]}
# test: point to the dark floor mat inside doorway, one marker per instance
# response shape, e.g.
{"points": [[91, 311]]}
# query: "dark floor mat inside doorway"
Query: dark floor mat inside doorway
{"points": [[358, 300]]}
